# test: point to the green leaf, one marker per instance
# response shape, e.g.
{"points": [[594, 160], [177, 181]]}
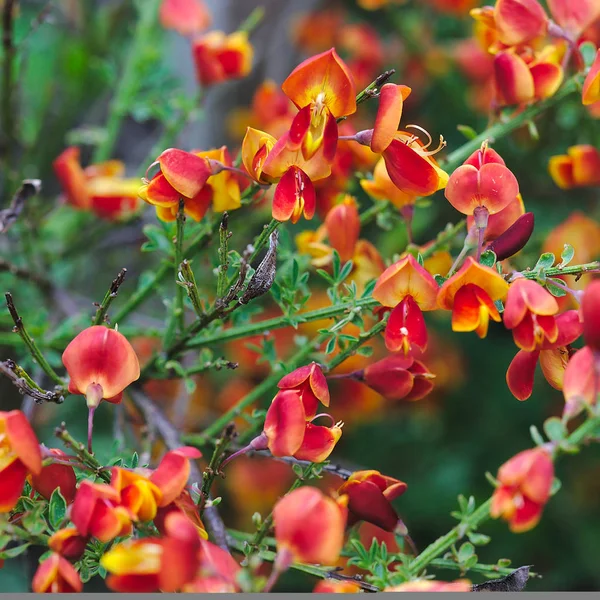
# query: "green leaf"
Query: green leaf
{"points": [[479, 539], [330, 345], [555, 429], [57, 509], [556, 485], [533, 130], [345, 271], [420, 259], [336, 265], [135, 459], [440, 279], [504, 562], [326, 276], [295, 272], [365, 351], [545, 261], [555, 290], [488, 258], [466, 551], [566, 256], [467, 131], [14, 552], [34, 521], [46, 555], [536, 436], [588, 52]]}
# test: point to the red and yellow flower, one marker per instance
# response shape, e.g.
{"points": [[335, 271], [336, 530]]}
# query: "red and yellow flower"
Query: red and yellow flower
{"points": [[187, 17], [370, 495], [309, 527], [408, 289], [19, 455], [140, 496], [220, 57], [56, 575], [99, 188], [580, 167], [524, 488], [68, 542], [470, 294]]}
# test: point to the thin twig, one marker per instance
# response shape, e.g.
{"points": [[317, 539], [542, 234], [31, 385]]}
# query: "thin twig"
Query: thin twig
{"points": [[26, 385], [111, 294], [31, 345], [8, 216]]}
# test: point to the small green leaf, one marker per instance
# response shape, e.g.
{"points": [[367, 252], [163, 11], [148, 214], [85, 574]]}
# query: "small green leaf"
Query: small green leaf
{"points": [[556, 485], [588, 52], [566, 256], [555, 290], [135, 459], [465, 552], [14, 552], [536, 436], [57, 509], [46, 555], [365, 351], [555, 429], [479, 539], [440, 279], [488, 258], [345, 271], [467, 131], [533, 130], [499, 305], [545, 261], [420, 259], [504, 562]]}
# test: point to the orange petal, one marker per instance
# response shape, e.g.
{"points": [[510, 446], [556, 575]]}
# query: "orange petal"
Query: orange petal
{"points": [[561, 170], [343, 227], [575, 17], [318, 443], [513, 79], [12, 481], [186, 172], [547, 78], [103, 356], [366, 502], [519, 21], [172, 474], [590, 312], [520, 374], [406, 327], [581, 382], [591, 85], [56, 574], [72, 177], [317, 384], [285, 423], [294, 196], [159, 192], [184, 16], [553, 363], [324, 76], [53, 476], [527, 295], [390, 376], [23, 440], [586, 164], [406, 277], [391, 101]]}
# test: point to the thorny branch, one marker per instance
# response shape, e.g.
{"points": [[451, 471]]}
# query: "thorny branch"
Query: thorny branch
{"points": [[111, 294], [28, 189], [26, 385]]}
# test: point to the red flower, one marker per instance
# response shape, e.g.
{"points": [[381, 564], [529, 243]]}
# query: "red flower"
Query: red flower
{"points": [[311, 384], [68, 542], [370, 495], [56, 575], [19, 455], [187, 17], [525, 484], [55, 476]]}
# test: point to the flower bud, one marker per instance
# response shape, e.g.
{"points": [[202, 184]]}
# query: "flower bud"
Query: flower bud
{"points": [[514, 238]]}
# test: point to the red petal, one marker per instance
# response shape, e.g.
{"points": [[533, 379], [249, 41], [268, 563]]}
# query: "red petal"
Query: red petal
{"points": [[185, 171], [12, 481], [23, 440], [410, 172], [520, 374], [285, 423], [366, 502]]}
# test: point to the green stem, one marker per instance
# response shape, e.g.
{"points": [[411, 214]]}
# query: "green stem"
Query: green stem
{"points": [[29, 342], [110, 295], [487, 570], [362, 338], [568, 270], [88, 459], [454, 159], [128, 83], [223, 256], [179, 314]]}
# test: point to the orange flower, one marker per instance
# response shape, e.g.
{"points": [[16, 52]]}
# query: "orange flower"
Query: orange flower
{"points": [[482, 182], [187, 17], [525, 483], [580, 167], [581, 384], [55, 476], [398, 377], [255, 149], [181, 175], [68, 542], [309, 527], [218, 571], [96, 512], [409, 288], [552, 356], [519, 21], [529, 312], [471, 294], [56, 575], [151, 564], [343, 227], [591, 86], [219, 57], [370, 495], [523, 77], [19, 455], [101, 364], [172, 474], [137, 493], [99, 188], [311, 385], [428, 585]]}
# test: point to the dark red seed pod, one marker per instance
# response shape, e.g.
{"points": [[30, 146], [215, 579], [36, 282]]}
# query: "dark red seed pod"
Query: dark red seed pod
{"points": [[514, 238]]}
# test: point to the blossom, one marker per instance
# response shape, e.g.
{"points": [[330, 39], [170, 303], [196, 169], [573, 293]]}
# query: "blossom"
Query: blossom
{"points": [[96, 512], [101, 364], [523, 77], [311, 385], [19, 455], [219, 57], [552, 357], [381, 187], [323, 90], [55, 476], [519, 21], [591, 86], [370, 495], [471, 294], [180, 176], [187, 17], [580, 167], [398, 377], [343, 227], [172, 474], [56, 575], [529, 312], [514, 238], [255, 149], [99, 188], [137, 493], [590, 313], [309, 527], [68, 542], [483, 183], [409, 289], [524, 488], [581, 383]]}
